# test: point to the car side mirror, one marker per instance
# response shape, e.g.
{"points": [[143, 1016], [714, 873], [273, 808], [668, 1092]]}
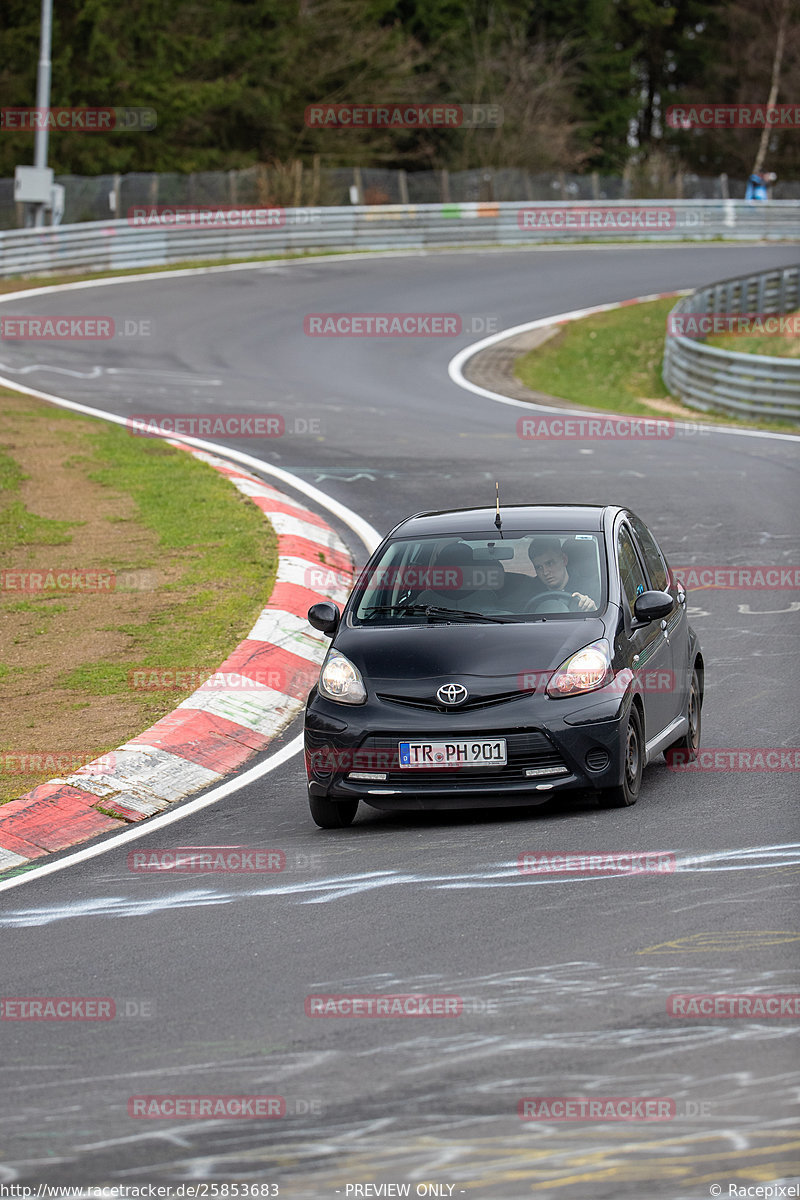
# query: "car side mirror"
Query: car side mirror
{"points": [[651, 606], [324, 616]]}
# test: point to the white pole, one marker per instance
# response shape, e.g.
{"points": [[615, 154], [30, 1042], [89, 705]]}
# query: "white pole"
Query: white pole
{"points": [[43, 97]]}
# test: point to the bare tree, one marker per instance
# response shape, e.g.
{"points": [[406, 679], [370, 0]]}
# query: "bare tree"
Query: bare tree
{"points": [[532, 83], [781, 13]]}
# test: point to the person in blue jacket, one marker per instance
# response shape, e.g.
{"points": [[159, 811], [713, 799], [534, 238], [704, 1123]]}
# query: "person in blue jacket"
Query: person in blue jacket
{"points": [[756, 188]]}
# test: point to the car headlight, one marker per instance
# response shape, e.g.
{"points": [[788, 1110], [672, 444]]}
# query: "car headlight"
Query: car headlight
{"points": [[585, 671], [340, 680]]}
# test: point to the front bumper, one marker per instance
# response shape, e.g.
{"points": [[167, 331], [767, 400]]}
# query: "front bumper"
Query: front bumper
{"points": [[553, 745]]}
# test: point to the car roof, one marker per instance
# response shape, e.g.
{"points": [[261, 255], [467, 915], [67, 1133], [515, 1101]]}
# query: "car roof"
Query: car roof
{"points": [[563, 517]]}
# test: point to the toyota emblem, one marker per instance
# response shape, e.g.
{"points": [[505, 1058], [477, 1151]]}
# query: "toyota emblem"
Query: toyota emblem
{"points": [[452, 693]]}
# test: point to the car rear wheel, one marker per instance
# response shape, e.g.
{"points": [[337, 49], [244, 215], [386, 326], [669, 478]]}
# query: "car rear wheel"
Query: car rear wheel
{"points": [[626, 793], [689, 744], [332, 814]]}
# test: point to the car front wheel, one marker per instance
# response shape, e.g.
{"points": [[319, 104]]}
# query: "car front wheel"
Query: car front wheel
{"points": [[332, 814], [626, 793]]}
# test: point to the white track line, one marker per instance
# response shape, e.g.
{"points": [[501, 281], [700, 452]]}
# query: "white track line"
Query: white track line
{"points": [[457, 362], [363, 530], [366, 532], [150, 824]]}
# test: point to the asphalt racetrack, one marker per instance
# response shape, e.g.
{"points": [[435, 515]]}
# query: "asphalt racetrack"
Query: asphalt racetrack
{"points": [[565, 979]]}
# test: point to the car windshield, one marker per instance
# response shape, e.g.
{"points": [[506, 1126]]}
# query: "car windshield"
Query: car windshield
{"points": [[521, 576]]}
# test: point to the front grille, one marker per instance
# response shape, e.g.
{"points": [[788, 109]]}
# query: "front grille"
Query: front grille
{"points": [[475, 702], [527, 750]]}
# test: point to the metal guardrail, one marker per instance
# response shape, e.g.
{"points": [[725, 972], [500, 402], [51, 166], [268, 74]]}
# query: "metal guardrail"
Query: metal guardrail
{"points": [[119, 245], [748, 385]]}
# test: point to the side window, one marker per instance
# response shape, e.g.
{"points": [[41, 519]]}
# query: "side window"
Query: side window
{"points": [[654, 560], [630, 569]]}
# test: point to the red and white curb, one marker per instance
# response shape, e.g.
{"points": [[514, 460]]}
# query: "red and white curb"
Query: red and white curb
{"points": [[231, 717]]}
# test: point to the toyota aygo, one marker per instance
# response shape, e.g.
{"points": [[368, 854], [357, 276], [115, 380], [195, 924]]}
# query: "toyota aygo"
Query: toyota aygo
{"points": [[496, 657]]}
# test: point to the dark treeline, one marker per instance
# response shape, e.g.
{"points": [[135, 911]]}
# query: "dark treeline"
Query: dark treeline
{"points": [[584, 84]]}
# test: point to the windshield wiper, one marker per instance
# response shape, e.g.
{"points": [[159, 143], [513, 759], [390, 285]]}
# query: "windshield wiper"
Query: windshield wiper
{"points": [[434, 610], [403, 608]]}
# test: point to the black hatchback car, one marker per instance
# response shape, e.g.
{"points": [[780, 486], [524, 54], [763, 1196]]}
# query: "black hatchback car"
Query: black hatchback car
{"points": [[494, 658]]}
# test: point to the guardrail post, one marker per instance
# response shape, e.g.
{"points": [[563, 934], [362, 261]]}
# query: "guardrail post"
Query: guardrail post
{"points": [[358, 185], [315, 182]]}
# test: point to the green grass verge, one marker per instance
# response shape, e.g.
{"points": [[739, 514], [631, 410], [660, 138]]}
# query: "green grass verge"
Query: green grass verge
{"points": [[609, 360], [779, 345], [613, 361], [19, 527], [195, 562], [11, 474], [226, 549]]}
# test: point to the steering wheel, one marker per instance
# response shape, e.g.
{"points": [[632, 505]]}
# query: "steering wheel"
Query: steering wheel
{"points": [[533, 605]]}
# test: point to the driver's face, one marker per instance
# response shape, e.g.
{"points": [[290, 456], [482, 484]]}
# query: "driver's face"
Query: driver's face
{"points": [[552, 568]]}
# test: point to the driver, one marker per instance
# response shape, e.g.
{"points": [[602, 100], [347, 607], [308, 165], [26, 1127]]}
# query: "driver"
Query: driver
{"points": [[552, 568]]}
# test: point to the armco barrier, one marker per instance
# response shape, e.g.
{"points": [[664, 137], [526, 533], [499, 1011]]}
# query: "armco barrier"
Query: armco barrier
{"points": [[118, 245], [748, 385]]}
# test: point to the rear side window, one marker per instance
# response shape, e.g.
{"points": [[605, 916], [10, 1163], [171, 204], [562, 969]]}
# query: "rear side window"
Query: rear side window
{"points": [[630, 569], [653, 558]]}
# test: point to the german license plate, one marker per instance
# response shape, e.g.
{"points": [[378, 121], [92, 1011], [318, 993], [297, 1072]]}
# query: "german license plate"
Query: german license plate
{"points": [[479, 752]]}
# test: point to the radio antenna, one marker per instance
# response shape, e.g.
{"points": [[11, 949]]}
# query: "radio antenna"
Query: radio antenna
{"points": [[497, 520]]}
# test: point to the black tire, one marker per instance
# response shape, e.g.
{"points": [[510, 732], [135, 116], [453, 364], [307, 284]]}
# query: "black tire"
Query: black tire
{"points": [[689, 744], [627, 793], [332, 814]]}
